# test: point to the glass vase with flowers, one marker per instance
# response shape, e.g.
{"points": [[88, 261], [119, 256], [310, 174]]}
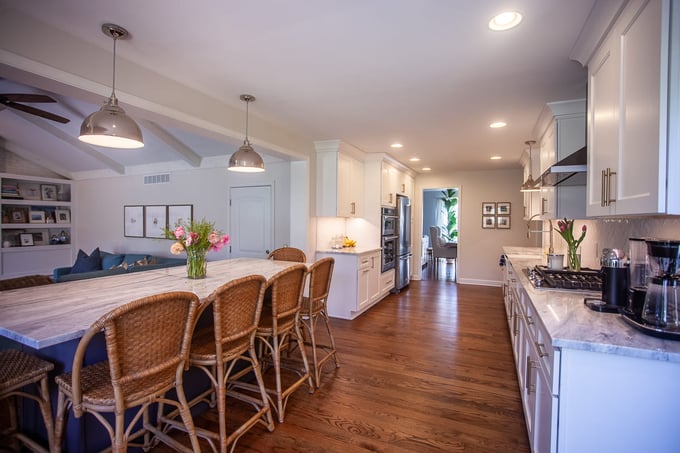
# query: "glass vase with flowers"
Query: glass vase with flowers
{"points": [[566, 229], [196, 238]]}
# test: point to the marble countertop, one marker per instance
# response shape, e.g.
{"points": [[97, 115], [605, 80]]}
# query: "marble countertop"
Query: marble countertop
{"points": [[47, 315], [572, 325], [350, 250]]}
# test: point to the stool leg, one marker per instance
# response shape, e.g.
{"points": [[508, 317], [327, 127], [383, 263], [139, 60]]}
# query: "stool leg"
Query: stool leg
{"points": [[46, 409], [62, 408]]}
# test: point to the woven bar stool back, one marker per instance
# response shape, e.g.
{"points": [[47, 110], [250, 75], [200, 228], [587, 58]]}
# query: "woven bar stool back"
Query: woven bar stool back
{"points": [[278, 327], [217, 349], [147, 343], [17, 370], [315, 309], [288, 254]]}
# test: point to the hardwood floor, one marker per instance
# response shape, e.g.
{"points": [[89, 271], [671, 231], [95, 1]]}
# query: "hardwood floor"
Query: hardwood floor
{"points": [[429, 369], [446, 271]]}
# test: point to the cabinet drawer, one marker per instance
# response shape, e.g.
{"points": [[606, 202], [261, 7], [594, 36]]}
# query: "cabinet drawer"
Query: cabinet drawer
{"points": [[548, 356], [364, 262]]}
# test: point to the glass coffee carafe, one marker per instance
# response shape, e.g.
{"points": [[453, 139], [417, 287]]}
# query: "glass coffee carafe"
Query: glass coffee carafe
{"points": [[661, 308]]}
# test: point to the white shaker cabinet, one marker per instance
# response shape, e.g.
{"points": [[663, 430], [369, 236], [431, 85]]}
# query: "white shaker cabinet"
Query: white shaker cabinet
{"points": [[394, 182], [340, 176], [630, 76], [356, 284]]}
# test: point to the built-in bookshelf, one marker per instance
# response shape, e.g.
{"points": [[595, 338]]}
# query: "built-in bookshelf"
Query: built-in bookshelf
{"points": [[37, 225]]}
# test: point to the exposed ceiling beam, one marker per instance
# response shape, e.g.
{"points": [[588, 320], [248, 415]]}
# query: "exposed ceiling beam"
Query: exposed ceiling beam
{"points": [[73, 141], [37, 160], [189, 155]]}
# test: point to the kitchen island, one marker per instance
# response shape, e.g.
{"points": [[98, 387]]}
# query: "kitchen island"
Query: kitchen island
{"points": [[49, 321], [589, 381]]}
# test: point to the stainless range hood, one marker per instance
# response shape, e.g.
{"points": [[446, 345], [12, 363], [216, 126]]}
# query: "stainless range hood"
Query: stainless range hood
{"points": [[570, 171]]}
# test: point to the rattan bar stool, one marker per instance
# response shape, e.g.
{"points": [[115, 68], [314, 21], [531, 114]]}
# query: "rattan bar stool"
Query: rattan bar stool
{"points": [[17, 370], [217, 349], [147, 343], [288, 254], [279, 326], [315, 308]]}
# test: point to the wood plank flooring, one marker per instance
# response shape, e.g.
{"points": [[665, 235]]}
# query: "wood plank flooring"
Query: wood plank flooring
{"points": [[429, 369]]}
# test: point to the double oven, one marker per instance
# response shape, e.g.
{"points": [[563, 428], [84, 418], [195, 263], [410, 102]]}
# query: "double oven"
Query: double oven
{"points": [[389, 239]]}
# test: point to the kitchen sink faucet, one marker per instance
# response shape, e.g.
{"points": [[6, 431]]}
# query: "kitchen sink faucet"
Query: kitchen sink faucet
{"points": [[551, 248]]}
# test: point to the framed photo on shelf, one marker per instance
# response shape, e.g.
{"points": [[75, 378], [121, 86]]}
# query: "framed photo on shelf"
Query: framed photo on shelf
{"points": [[488, 208], [26, 239], [37, 217], [62, 215], [17, 216], [180, 213], [41, 237], [29, 191], [488, 222], [48, 192], [503, 208], [155, 221], [503, 222], [133, 221]]}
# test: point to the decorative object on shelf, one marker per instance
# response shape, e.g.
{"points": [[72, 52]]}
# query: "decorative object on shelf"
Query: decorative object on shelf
{"points": [[133, 221], [196, 238], [63, 215], [18, 216], [246, 160], [29, 191], [529, 185], [26, 239], [566, 229], [40, 237], [48, 192], [63, 237], [111, 126], [155, 221], [37, 217]]}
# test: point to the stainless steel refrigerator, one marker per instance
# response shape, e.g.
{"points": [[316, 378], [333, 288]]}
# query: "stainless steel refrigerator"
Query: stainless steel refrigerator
{"points": [[404, 256]]}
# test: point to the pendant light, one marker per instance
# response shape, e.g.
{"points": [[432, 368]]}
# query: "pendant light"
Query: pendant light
{"points": [[110, 126], [529, 185], [246, 160]]}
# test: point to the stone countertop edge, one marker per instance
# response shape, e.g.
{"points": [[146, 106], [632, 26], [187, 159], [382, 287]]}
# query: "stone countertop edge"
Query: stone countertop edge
{"points": [[349, 250], [572, 325]]}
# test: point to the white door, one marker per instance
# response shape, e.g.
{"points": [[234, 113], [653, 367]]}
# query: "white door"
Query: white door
{"points": [[250, 221]]}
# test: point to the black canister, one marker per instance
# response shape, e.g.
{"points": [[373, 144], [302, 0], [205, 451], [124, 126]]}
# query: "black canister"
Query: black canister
{"points": [[615, 277]]}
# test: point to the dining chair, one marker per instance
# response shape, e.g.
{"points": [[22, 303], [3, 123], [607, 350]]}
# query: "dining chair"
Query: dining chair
{"points": [[442, 249], [18, 370], [288, 254], [315, 308], [279, 326], [218, 350], [147, 344]]}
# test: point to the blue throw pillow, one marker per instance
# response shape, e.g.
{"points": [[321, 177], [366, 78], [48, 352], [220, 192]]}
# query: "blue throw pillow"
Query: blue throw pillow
{"points": [[111, 260], [85, 263]]}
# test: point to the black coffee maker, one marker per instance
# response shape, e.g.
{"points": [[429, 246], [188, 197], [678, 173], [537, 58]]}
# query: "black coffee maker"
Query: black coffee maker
{"points": [[639, 271], [614, 271]]}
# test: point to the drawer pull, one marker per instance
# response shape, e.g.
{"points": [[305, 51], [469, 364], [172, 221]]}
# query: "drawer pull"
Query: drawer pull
{"points": [[530, 320], [541, 350]]}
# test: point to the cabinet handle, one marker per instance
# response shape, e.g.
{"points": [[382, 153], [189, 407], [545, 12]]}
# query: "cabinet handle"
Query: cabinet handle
{"points": [[603, 189], [610, 173], [354, 207], [531, 388], [541, 350], [525, 211], [544, 204], [390, 197], [515, 325], [530, 320], [403, 188]]}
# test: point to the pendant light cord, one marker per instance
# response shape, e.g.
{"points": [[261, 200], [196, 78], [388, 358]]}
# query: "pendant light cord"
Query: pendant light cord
{"points": [[247, 114], [115, 35]]}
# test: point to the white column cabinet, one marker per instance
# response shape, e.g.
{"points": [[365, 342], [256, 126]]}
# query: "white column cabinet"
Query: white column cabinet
{"points": [[628, 114], [340, 186]]}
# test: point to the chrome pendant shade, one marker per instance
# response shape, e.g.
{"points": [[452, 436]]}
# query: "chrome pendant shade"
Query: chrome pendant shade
{"points": [[246, 159], [111, 126], [530, 185]]}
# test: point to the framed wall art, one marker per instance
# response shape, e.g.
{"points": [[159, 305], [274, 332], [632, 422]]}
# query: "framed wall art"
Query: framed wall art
{"points": [[503, 208], [155, 221], [488, 222], [133, 221], [503, 222], [48, 192], [488, 208], [183, 213]]}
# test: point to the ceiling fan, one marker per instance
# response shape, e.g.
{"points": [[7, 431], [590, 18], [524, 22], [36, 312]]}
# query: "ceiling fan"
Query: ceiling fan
{"points": [[12, 100]]}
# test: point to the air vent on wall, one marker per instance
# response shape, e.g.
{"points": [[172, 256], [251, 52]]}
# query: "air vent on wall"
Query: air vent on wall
{"points": [[157, 179]]}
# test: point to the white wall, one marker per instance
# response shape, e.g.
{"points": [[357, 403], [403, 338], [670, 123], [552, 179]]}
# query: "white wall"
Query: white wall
{"points": [[479, 249], [99, 211]]}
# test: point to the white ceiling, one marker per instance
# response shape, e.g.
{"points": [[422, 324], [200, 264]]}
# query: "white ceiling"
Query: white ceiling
{"points": [[426, 73]]}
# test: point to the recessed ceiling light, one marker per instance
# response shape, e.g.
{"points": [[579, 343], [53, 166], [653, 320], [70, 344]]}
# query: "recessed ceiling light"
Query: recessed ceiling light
{"points": [[505, 21], [396, 145], [415, 159], [426, 169], [497, 124], [496, 158]]}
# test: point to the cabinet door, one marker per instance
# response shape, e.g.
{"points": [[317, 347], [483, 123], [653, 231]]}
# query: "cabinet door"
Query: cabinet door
{"points": [[603, 116], [363, 282], [388, 185], [356, 188], [374, 278], [545, 417]]}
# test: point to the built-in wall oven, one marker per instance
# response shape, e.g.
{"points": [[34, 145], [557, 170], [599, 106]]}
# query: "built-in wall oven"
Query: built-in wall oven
{"points": [[389, 240], [389, 252]]}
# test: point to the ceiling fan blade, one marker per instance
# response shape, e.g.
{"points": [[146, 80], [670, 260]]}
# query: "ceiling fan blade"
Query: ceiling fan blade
{"points": [[26, 97], [37, 112]]}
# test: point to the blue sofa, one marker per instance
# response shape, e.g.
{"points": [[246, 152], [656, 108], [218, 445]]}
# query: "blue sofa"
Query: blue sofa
{"points": [[118, 263]]}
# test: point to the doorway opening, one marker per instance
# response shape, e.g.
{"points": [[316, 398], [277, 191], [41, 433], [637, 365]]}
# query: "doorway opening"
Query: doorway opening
{"points": [[440, 210]]}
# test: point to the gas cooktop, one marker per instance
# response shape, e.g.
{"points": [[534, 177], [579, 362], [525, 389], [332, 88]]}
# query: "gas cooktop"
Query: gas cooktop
{"points": [[584, 280]]}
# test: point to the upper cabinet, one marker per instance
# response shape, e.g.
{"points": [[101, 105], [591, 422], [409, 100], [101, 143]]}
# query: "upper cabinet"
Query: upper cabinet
{"points": [[394, 182], [532, 200], [562, 131], [340, 180], [633, 102]]}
